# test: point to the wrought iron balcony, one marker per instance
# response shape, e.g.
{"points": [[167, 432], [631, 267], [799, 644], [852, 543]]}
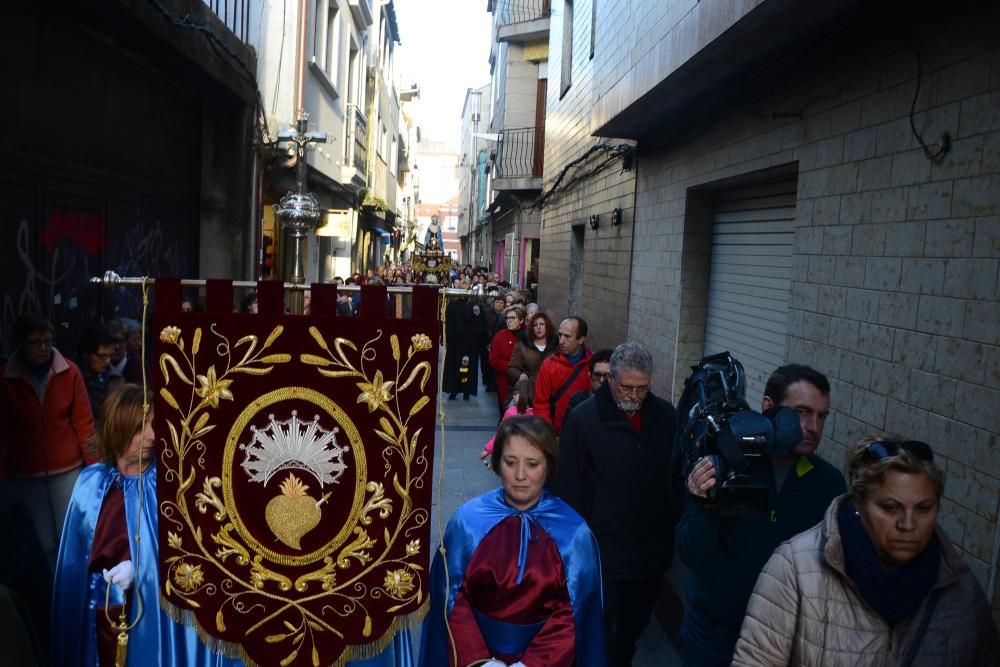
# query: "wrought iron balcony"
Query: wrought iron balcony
{"points": [[356, 146], [519, 154], [520, 11], [235, 14]]}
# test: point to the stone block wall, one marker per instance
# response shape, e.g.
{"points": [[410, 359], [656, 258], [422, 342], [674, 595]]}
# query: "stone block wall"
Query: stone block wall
{"points": [[896, 269], [607, 252]]}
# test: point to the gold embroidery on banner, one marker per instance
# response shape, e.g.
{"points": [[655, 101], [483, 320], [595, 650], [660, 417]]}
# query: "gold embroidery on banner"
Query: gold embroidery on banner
{"points": [[247, 579], [360, 466]]}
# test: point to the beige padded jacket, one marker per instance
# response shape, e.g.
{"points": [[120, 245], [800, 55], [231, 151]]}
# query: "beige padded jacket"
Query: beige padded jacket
{"points": [[806, 612]]}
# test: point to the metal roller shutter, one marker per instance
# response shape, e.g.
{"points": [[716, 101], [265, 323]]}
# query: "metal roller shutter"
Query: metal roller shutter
{"points": [[750, 280]]}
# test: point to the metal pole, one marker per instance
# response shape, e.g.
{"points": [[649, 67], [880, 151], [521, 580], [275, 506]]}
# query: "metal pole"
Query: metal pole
{"points": [[112, 279]]}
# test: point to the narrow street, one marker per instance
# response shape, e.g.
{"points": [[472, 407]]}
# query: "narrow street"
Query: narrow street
{"points": [[469, 424]]}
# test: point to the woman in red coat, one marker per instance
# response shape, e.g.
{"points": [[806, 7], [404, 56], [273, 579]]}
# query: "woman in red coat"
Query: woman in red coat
{"points": [[502, 348]]}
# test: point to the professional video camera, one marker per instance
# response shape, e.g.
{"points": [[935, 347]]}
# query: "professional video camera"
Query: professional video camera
{"points": [[714, 421]]}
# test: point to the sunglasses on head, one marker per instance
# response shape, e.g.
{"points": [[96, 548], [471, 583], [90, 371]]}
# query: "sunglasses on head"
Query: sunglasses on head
{"points": [[883, 449]]}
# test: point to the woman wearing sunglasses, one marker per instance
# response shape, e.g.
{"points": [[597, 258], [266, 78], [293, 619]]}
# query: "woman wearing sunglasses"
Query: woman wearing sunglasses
{"points": [[877, 582]]}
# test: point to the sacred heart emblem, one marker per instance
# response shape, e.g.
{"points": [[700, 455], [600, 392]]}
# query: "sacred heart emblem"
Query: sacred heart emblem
{"points": [[298, 445], [293, 513]]}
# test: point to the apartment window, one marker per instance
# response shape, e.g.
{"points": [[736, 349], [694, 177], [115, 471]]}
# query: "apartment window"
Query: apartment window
{"points": [[332, 55], [593, 26], [353, 75], [567, 48]]}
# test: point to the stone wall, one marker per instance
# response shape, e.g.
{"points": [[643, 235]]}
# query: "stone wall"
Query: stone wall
{"points": [[895, 274], [603, 274]]}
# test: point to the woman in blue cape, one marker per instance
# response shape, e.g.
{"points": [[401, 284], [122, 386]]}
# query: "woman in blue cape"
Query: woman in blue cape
{"points": [[520, 582], [100, 568]]}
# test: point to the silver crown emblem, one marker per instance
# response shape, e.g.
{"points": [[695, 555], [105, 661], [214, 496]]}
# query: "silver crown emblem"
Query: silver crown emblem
{"points": [[293, 443]]}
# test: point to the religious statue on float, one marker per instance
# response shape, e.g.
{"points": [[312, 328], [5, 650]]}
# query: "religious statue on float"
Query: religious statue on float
{"points": [[433, 258]]}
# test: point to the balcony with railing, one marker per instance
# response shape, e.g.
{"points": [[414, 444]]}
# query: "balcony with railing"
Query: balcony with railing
{"points": [[522, 20], [519, 156], [356, 146], [234, 13]]}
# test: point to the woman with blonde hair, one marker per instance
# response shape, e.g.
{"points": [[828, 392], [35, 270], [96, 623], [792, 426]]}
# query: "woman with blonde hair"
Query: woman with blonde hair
{"points": [[876, 582]]}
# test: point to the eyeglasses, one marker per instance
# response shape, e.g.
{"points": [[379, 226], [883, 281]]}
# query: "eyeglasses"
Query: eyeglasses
{"points": [[883, 449], [601, 376], [638, 390], [38, 343], [511, 318]]}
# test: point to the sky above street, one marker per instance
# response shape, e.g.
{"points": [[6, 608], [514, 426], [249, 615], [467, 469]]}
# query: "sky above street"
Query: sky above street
{"points": [[444, 49]]}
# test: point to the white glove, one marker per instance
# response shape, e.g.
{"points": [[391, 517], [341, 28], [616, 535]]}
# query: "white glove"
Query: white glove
{"points": [[518, 664], [121, 575], [493, 662]]}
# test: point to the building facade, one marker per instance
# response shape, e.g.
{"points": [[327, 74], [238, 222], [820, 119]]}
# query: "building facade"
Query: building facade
{"points": [[335, 60], [474, 184], [127, 146], [519, 54], [809, 183]]}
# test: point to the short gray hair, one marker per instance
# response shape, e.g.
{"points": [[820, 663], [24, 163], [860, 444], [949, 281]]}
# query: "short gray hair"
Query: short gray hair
{"points": [[631, 356]]}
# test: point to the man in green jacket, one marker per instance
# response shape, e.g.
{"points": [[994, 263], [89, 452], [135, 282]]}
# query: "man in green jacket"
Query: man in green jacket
{"points": [[724, 554]]}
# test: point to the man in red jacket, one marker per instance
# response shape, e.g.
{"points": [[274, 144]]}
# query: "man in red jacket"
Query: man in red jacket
{"points": [[45, 426], [564, 373]]}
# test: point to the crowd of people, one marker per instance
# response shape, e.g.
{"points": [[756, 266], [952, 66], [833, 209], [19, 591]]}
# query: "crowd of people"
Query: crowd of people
{"points": [[563, 563]]}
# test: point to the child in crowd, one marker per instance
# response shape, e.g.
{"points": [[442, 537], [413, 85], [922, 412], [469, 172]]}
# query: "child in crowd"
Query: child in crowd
{"points": [[520, 404]]}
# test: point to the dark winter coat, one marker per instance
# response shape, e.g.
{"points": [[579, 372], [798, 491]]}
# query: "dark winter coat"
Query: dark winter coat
{"points": [[615, 477]]}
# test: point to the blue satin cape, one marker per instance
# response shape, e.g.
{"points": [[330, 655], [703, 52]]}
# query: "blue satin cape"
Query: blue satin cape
{"points": [[577, 548], [156, 639]]}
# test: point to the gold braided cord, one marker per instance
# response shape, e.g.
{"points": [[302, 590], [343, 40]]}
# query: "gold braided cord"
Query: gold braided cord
{"points": [[142, 427], [440, 520]]}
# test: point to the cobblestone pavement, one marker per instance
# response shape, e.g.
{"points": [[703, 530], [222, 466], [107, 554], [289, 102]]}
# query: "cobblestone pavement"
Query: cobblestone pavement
{"points": [[469, 424]]}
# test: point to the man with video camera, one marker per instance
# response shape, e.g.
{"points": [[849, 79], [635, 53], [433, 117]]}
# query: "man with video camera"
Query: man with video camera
{"points": [[725, 551]]}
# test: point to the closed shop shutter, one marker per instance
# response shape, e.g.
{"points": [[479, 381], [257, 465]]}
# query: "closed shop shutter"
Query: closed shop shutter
{"points": [[750, 280]]}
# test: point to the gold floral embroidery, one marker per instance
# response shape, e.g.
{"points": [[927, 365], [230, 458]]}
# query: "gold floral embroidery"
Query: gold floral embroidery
{"points": [[398, 583], [421, 342], [375, 393], [188, 577], [212, 388], [170, 335]]}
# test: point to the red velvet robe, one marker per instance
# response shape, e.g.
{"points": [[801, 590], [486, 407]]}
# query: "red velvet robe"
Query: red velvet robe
{"points": [[490, 587]]}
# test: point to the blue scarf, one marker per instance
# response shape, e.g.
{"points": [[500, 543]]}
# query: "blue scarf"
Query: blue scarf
{"points": [[894, 594]]}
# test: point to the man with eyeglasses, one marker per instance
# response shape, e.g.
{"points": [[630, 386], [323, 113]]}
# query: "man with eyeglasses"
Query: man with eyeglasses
{"points": [[600, 370], [725, 554], [96, 349], [45, 427], [614, 462]]}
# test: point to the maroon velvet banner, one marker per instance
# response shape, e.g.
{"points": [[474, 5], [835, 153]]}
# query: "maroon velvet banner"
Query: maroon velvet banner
{"points": [[294, 479]]}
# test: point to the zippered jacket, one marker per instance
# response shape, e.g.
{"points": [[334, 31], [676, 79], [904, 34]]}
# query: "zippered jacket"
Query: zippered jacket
{"points": [[47, 436], [806, 611]]}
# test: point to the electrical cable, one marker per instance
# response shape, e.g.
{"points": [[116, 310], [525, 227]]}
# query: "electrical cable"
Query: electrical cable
{"points": [[620, 151], [226, 54], [945, 144]]}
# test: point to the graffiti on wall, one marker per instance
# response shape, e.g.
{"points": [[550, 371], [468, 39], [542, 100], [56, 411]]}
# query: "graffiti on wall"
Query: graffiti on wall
{"points": [[46, 265]]}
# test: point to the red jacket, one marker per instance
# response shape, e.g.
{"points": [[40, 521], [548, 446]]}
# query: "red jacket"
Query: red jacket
{"points": [[554, 372], [501, 350], [37, 439]]}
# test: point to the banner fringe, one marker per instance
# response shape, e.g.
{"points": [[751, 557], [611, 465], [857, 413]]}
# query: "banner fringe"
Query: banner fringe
{"points": [[351, 652]]}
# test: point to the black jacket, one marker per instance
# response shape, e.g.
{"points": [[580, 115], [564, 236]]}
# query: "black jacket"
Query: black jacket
{"points": [[617, 479]]}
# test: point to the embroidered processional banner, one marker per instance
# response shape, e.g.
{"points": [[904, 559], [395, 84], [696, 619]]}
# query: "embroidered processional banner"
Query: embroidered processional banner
{"points": [[294, 474]]}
